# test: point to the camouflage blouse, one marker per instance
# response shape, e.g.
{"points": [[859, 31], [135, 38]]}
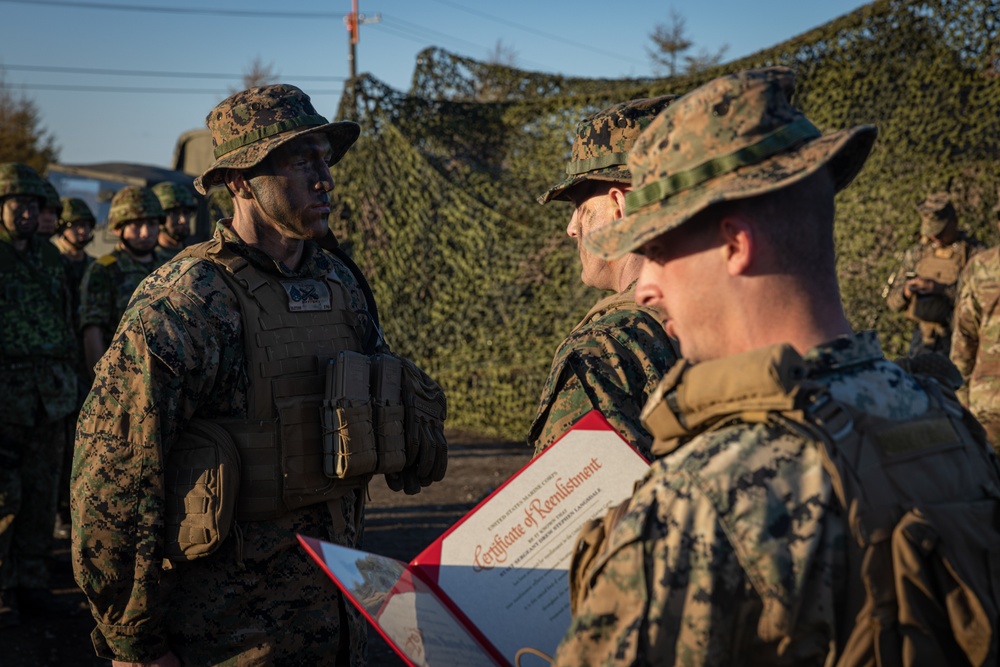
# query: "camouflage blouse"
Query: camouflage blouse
{"points": [[179, 354], [611, 361], [732, 549], [975, 343], [107, 287]]}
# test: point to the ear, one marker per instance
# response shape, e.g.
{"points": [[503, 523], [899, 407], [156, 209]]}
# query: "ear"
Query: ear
{"points": [[237, 183], [739, 243], [617, 193]]}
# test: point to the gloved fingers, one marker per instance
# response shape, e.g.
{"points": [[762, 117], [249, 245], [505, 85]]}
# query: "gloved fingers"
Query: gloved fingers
{"points": [[440, 456], [394, 481], [411, 485], [425, 462]]}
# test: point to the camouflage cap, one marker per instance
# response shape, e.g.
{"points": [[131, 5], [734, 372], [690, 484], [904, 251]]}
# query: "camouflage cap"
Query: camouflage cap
{"points": [[51, 196], [133, 202], [735, 137], [74, 210], [602, 143], [252, 123], [174, 195], [17, 178], [936, 211]]}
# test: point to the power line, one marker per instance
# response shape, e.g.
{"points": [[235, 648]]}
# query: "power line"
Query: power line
{"points": [[143, 89], [180, 10], [535, 31], [153, 73]]}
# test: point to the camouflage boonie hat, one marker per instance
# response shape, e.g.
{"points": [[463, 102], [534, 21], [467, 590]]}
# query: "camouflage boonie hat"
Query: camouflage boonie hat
{"points": [[74, 210], [600, 149], [17, 178], [51, 196], [735, 137], [174, 195], [134, 202], [252, 123], [936, 211]]}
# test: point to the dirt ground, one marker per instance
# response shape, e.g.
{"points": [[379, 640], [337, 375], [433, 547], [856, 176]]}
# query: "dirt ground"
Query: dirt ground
{"points": [[398, 525]]}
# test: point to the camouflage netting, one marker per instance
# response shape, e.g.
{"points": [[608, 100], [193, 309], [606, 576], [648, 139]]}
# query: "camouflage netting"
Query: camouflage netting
{"points": [[479, 283]]}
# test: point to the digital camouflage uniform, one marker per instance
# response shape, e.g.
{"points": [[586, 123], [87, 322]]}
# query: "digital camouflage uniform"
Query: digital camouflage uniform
{"points": [[932, 313], [732, 549], [615, 357], [179, 354], [37, 391], [975, 344], [611, 361], [734, 518], [109, 282]]}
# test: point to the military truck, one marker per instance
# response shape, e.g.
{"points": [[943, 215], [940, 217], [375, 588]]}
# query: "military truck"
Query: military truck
{"points": [[97, 183]]}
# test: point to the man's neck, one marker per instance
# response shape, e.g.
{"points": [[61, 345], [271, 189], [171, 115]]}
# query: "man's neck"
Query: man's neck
{"points": [[626, 271], [267, 239]]}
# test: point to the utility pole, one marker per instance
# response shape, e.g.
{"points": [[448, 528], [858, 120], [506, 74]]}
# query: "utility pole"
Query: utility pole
{"points": [[353, 21]]}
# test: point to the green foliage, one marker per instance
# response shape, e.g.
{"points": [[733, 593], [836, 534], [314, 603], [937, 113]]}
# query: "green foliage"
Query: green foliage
{"points": [[22, 138], [479, 283]]}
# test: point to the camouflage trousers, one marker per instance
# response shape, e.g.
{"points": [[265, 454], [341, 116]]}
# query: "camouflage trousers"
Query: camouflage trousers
{"points": [[30, 465], [260, 600]]}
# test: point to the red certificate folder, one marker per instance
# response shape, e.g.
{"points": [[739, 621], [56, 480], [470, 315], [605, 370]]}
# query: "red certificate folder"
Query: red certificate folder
{"points": [[496, 582]]}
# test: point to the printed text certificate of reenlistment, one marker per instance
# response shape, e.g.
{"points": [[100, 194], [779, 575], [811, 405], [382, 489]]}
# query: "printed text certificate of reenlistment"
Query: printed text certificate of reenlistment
{"points": [[506, 564]]}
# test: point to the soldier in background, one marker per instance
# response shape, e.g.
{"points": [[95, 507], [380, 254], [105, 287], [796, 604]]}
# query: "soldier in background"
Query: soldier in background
{"points": [[179, 209], [37, 392], [975, 344], [48, 216], [74, 231], [614, 358], [738, 546], [233, 339], [926, 283], [135, 217]]}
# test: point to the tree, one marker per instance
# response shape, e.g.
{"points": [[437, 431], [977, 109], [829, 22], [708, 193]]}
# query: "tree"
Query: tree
{"points": [[258, 74], [670, 41], [22, 138], [502, 54]]}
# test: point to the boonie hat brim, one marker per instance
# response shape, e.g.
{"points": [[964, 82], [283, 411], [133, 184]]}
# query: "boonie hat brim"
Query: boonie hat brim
{"points": [[342, 135], [845, 151], [560, 190]]}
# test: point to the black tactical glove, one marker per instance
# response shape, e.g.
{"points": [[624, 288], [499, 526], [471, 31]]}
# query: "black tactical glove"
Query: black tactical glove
{"points": [[426, 447]]}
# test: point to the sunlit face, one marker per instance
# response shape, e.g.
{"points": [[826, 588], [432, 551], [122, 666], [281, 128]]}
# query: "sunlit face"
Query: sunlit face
{"points": [[593, 208], [177, 225], [291, 187], [20, 216], [139, 236], [682, 278], [48, 218]]}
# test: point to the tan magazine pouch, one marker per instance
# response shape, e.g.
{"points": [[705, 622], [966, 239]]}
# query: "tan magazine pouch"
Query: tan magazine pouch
{"points": [[201, 480], [348, 435]]}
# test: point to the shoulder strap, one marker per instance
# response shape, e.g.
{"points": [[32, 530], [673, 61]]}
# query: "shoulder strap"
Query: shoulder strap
{"points": [[375, 336]]}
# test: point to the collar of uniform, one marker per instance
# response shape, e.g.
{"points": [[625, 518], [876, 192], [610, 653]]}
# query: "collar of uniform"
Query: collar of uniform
{"points": [[314, 264], [842, 352]]}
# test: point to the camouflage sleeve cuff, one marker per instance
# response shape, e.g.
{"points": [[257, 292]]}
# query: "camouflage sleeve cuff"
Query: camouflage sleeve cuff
{"points": [[128, 643]]}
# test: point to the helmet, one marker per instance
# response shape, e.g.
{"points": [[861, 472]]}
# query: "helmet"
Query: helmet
{"points": [[75, 210], [134, 202], [174, 195], [51, 196], [20, 179]]}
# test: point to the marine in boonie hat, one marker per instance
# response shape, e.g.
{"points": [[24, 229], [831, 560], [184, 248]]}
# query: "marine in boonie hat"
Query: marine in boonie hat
{"points": [[936, 211], [735, 137], [250, 124], [600, 149]]}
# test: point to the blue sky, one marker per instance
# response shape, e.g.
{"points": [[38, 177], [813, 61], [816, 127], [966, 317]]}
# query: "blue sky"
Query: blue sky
{"points": [[115, 80]]}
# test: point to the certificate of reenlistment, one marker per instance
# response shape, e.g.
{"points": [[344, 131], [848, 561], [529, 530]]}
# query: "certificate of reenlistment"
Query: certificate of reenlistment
{"points": [[497, 581]]}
